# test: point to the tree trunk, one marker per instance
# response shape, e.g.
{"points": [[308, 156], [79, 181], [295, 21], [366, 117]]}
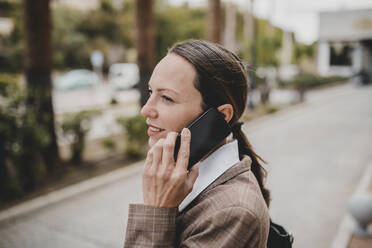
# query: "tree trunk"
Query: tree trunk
{"points": [[145, 38], [214, 21], [230, 27], [38, 63]]}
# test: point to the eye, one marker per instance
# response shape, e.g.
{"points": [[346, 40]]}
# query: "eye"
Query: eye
{"points": [[149, 92], [167, 98]]}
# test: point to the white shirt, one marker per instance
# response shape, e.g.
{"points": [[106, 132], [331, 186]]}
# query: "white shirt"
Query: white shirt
{"points": [[211, 168]]}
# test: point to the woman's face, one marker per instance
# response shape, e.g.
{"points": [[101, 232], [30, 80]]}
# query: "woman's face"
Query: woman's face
{"points": [[174, 101]]}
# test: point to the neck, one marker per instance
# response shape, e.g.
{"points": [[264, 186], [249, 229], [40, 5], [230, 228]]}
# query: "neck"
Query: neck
{"points": [[219, 145]]}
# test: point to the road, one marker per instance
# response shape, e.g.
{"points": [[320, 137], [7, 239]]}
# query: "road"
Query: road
{"points": [[317, 152]]}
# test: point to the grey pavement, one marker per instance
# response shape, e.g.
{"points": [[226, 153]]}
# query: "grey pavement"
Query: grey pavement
{"points": [[317, 153]]}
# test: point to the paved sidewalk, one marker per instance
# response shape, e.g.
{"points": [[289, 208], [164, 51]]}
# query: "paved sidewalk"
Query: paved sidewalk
{"points": [[345, 237], [355, 240]]}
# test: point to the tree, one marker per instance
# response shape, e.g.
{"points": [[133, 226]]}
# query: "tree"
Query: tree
{"points": [[174, 19], [38, 64], [214, 25], [145, 40]]}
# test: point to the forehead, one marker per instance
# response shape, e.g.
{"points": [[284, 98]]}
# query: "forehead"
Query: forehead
{"points": [[175, 73]]}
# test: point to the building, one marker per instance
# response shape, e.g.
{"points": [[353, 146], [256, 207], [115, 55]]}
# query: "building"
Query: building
{"points": [[345, 43]]}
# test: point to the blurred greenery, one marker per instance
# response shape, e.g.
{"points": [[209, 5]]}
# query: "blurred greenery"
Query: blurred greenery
{"points": [[75, 128], [307, 80], [11, 47], [109, 144], [135, 134], [268, 42], [77, 33], [7, 81], [304, 81], [21, 141], [171, 28], [302, 51]]}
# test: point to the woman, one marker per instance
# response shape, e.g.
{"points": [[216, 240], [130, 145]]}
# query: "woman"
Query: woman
{"points": [[221, 201]]}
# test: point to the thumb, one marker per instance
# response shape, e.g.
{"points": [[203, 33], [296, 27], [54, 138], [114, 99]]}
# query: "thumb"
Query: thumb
{"points": [[193, 174]]}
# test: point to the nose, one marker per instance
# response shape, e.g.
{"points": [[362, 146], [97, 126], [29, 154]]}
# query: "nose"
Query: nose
{"points": [[149, 109]]}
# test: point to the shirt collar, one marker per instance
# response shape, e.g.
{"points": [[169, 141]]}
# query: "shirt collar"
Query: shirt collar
{"points": [[211, 168]]}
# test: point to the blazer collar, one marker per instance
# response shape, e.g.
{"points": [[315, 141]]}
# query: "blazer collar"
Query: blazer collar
{"points": [[243, 166], [239, 168], [216, 169]]}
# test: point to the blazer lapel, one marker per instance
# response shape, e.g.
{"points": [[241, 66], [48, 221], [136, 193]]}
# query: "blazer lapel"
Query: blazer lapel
{"points": [[243, 166]]}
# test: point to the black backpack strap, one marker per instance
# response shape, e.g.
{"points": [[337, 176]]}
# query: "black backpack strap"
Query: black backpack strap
{"points": [[279, 237]]}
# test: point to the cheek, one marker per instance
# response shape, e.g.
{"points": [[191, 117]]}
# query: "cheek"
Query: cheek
{"points": [[176, 122], [153, 139], [174, 118], [185, 119]]}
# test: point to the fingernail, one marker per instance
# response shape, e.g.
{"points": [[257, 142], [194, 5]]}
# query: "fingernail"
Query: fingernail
{"points": [[185, 132]]}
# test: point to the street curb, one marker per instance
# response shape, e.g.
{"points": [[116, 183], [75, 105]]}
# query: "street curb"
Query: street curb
{"points": [[345, 231], [12, 214]]}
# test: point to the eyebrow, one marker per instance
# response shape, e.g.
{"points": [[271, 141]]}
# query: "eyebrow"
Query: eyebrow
{"points": [[166, 89]]}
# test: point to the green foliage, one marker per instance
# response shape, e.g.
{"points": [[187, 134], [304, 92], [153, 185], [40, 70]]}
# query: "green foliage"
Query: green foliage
{"points": [[270, 109], [99, 23], [76, 34], [7, 80], [305, 81], [268, 42], [109, 144], [302, 51], [11, 47], [174, 24], [6, 8], [75, 128], [22, 140], [135, 133], [70, 47], [106, 6], [113, 101]]}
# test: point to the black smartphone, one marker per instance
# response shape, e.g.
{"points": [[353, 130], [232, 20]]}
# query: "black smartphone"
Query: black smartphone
{"points": [[207, 132]]}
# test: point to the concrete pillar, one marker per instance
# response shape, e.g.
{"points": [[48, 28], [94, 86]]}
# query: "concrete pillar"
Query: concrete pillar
{"points": [[286, 54], [324, 53], [357, 57], [230, 28], [248, 25]]}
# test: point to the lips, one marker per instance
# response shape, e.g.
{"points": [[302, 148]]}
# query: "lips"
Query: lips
{"points": [[153, 130]]}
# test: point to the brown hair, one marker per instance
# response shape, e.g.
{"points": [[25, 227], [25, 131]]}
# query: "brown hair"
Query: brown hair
{"points": [[222, 78]]}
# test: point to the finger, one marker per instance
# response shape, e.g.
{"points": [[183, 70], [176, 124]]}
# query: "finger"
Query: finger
{"points": [[184, 152], [168, 150], [157, 151], [193, 175], [148, 161]]}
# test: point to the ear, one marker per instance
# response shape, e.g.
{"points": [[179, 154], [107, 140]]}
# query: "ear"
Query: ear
{"points": [[227, 111]]}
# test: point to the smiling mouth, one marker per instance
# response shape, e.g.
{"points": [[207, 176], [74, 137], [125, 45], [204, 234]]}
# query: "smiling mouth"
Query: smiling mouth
{"points": [[154, 129], [151, 131]]}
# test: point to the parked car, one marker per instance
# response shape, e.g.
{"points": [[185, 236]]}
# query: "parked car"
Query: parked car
{"points": [[80, 78], [123, 76]]}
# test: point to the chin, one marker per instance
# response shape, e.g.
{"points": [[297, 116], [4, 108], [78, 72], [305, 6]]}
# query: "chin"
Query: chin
{"points": [[153, 139], [151, 142]]}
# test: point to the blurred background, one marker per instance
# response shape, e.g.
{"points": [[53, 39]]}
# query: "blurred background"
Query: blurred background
{"points": [[73, 77]]}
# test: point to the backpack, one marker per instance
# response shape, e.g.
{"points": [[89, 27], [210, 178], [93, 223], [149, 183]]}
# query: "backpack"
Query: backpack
{"points": [[279, 237]]}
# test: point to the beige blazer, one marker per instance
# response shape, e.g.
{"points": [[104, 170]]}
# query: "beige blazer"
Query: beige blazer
{"points": [[230, 212]]}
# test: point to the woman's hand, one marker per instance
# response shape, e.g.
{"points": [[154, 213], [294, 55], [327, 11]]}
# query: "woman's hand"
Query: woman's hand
{"points": [[166, 182]]}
